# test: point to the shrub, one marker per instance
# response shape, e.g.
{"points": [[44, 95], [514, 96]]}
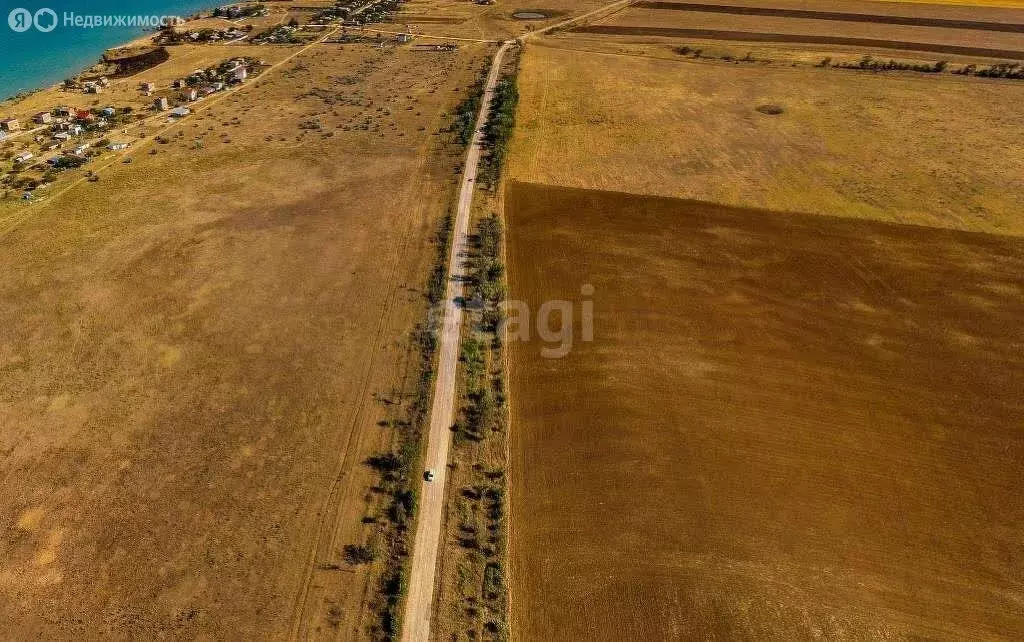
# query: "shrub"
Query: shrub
{"points": [[358, 554]]}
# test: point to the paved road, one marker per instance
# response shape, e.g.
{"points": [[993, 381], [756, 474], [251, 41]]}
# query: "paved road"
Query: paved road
{"points": [[416, 626]]}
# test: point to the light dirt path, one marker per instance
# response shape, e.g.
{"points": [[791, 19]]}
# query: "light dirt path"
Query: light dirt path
{"points": [[416, 627]]}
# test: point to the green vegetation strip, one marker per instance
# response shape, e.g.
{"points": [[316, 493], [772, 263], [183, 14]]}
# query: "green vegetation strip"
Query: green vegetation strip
{"points": [[499, 127]]}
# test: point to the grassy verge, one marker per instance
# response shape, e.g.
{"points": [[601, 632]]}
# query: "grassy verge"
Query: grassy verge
{"points": [[476, 522], [399, 467]]}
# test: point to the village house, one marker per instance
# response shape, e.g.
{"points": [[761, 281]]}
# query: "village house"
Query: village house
{"points": [[404, 38], [76, 130], [103, 82], [63, 112], [64, 136], [116, 147], [180, 112], [43, 118], [191, 95], [241, 74], [148, 86], [52, 146], [81, 149], [24, 157], [10, 125], [160, 104]]}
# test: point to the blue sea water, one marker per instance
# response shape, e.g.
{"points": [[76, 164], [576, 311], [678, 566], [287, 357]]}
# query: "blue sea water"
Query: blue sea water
{"points": [[33, 59]]}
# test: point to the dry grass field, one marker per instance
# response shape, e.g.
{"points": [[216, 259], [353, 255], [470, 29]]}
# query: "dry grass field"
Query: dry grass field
{"points": [[456, 19], [914, 148], [787, 427], [192, 349]]}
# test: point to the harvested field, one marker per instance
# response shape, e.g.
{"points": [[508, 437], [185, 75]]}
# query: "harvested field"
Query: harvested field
{"points": [[750, 36], [842, 16], [787, 427], [907, 148], [990, 33]]}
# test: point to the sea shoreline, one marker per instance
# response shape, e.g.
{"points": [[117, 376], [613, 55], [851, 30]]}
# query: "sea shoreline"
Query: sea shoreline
{"points": [[77, 49]]}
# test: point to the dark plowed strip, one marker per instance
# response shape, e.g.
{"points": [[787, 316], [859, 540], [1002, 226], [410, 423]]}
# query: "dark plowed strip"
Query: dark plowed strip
{"points": [[835, 15], [751, 36]]}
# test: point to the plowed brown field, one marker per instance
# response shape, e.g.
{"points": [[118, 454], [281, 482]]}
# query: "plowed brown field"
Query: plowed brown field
{"points": [[997, 36], [811, 39], [787, 426], [800, 11]]}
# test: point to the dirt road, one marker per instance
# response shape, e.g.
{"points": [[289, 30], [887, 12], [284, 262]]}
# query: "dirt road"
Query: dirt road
{"points": [[428, 526]]}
